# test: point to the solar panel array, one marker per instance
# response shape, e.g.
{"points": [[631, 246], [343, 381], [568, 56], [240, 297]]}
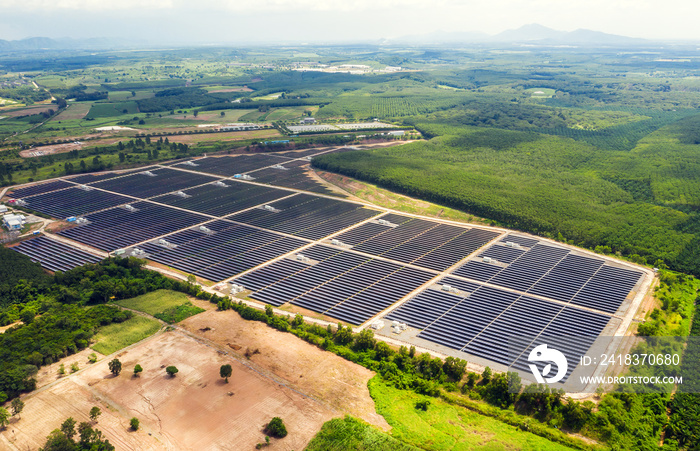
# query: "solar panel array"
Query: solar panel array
{"points": [[74, 202], [516, 287], [341, 284], [230, 165], [572, 332], [118, 227], [97, 176], [552, 272], [163, 180], [222, 198], [225, 250], [39, 189], [54, 255], [492, 323], [416, 241], [294, 175], [607, 289], [306, 216]]}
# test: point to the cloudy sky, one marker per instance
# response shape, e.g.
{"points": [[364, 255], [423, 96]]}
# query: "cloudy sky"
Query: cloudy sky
{"points": [[231, 21]]}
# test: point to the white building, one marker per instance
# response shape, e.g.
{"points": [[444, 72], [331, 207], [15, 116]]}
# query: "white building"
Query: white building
{"points": [[13, 222]]}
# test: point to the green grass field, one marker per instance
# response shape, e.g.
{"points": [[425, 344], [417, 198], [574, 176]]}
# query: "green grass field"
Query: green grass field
{"points": [[112, 109], [169, 306], [114, 337], [447, 427], [347, 434], [118, 96]]}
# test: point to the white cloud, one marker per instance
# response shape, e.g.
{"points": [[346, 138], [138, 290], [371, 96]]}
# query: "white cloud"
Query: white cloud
{"points": [[83, 5]]}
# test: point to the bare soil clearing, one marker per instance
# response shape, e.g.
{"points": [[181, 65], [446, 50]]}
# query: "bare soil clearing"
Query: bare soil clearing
{"points": [[49, 150], [194, 410], [49, 373], [28, 111], [332, 379]]}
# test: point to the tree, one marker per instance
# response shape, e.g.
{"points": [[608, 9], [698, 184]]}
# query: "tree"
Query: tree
{"points": [[343, 335], [276, 428], [17, 406], [195, 113], [137, 370], [57, 441], [225, 371], [171, 370], [61, 369], [134, 424], [4, 417], [68, 428], [115, 366], [95, 412], [223, 114], [365, 340], [486, 375], [382, 350]]}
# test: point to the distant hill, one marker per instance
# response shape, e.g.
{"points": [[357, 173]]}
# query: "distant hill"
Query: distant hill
{"points": [[42, 43], [531, 34], [544, 35]]}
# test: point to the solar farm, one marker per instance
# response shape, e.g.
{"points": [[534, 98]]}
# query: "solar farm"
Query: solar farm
{"points": [[264, 228]]}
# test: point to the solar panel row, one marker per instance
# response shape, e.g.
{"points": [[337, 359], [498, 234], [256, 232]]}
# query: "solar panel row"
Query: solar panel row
{"points": [[222, 198], [118, 227], [39, 189], [74, 202], [344, 285], [498, 325], [422, 243], [306, 216], [554, 273], [529, 267], [153, 182], [521, 240], [222, 253], [96, 177], [607, 289], [295, 175], [54, 255], [571, 332], [230, 165]]}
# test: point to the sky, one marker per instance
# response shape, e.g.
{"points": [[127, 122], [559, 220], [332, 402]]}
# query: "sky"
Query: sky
{"points": [[280, 21]]}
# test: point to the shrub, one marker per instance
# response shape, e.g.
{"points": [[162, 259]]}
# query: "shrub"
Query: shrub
{"points": [[276, 428]]}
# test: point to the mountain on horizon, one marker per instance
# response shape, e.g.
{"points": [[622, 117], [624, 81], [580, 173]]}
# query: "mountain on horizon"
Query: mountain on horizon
{"points": [[44, 43], [530, 33]]}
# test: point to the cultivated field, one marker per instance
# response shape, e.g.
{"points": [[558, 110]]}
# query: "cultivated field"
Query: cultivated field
{"points": [[34, 109], [74, 111]]}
